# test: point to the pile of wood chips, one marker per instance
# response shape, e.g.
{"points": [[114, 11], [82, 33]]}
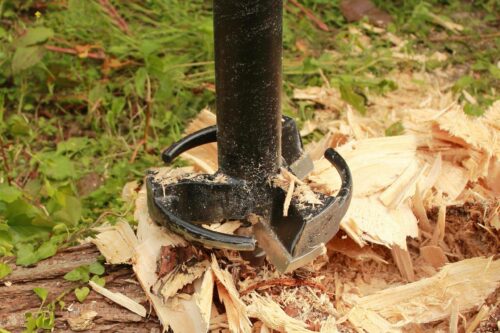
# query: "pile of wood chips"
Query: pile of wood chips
{"points": [[417, 250]]}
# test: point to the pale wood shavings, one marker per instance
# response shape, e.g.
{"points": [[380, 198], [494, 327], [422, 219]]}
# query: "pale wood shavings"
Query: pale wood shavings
{"points": [[301, 191], [493, 178], [204, 158], [455, 312], [329, 326], [350, 248], [404, 262], [370, 321], [420, 211], [228, 227], [439, 230], [478, 318], [429, 179], [403, 187], [120, 299], [357, 131], [235, 308], [452, 180], [288, 198], [468, 282], [367, 219], [271, 314], [374, 163], [476, 131], [178, 278], [204, 297], [181, 315], [116, 243]]}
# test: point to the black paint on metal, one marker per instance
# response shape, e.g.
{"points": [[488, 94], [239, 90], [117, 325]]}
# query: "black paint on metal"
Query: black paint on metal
{"points": [[254, 141], [248, 52]]}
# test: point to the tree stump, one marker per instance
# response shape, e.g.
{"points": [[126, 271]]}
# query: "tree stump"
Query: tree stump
{"points": [[17, 296]]}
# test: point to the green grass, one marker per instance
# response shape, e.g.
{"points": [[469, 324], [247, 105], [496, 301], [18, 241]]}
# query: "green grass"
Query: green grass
{"points": [[69, 121]]}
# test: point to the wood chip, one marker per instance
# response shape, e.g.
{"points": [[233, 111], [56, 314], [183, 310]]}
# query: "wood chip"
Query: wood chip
{"points": [[182, 315], [479, 317], [120, 299], [468, 282], [271, 314], [204, 297], [404, 262], [434, 255], [288, 198], [83, 322], [116, 243], [171, 284], [235, 308], [350, 248]]}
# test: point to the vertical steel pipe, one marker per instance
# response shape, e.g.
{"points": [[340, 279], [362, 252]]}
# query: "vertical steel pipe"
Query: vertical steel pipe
{"points": [[248, 52]]}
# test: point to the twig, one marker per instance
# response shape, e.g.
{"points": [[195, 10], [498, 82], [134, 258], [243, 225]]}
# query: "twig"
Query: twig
{"points": [[113, 13], [66, 50], [288, 282], [5, 161], [320, 24], [136, 150]]}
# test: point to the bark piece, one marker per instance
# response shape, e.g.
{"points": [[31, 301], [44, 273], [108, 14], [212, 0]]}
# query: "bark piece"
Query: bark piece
{"points": [[19, 298]]}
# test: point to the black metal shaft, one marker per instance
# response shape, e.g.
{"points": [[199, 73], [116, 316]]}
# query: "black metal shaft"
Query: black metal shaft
{"points": [[248, 51]]}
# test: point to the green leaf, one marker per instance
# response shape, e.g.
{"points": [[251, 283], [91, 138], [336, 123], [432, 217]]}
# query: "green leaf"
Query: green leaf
{"points": [[46, 250], [70, 210], [82, 293], [4, 270], [96, 268], [140, 82], [8, 193], [78, 274], [42, 293], [57, 167], [17, 126], [473, 110], [45, 320], [74, 144], [30, 322], [34, 36], [395, 129], [463, 83], [98, 280], [26, 254], [3, 330], [148, 47], [26, 57], [356, 100]]}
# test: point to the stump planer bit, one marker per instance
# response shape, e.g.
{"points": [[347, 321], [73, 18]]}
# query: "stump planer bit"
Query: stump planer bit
{"points": [[254, 142]]}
